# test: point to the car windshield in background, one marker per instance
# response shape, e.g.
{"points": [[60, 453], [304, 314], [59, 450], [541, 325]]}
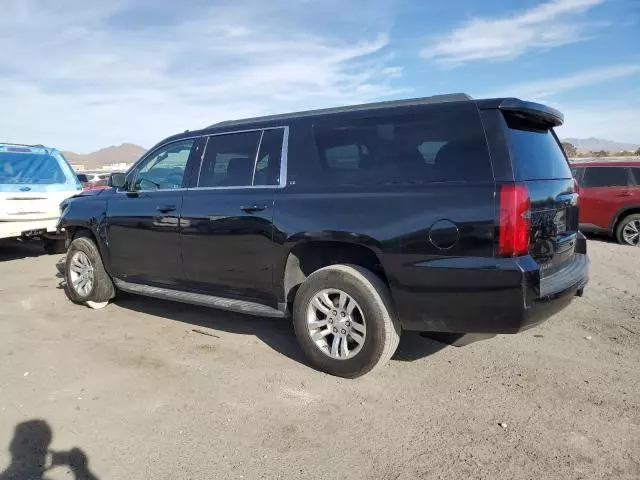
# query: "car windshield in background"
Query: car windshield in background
{"points": [[536, 153], [30, 168]]}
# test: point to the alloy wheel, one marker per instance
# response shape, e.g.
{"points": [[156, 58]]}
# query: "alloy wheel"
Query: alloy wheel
{"points": [[81, 273], [336, 324], [631, 232]]}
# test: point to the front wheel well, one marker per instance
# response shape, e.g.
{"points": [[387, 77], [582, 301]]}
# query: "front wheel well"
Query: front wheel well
{"points": [[306, 258], [75, 232]]}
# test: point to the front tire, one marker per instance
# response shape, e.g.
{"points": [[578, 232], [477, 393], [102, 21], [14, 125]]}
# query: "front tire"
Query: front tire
{"points": [[87, 280], [344, 320], [628, 230]]}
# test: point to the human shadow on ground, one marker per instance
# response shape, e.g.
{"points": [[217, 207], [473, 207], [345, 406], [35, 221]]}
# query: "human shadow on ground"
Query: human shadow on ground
{"points": [[31, 457], [274, 332]]}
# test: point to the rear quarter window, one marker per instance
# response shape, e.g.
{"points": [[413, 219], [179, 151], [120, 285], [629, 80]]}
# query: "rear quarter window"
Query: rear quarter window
{"points": [[439, 145], [535, 151]]}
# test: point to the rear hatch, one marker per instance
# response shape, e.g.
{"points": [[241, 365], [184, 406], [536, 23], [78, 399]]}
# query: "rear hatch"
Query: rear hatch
{"points": [[23, 203], [33, 182], [539, 163]]}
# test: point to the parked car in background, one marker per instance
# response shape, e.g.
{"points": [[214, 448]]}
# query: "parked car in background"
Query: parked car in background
{"points": [[93, 181], [33, 182], [439, 214], [610, 199]]}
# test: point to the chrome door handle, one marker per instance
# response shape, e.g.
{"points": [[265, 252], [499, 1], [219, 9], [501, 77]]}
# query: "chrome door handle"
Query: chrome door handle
{"points": [[253, 208], [166, 208]]}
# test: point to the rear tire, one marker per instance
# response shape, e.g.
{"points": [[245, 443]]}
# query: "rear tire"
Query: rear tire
{"points": [[87, 280], [374, 341], [628, 230]]}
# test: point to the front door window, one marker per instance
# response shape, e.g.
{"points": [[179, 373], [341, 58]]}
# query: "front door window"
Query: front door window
{"points": [[164, 169]]}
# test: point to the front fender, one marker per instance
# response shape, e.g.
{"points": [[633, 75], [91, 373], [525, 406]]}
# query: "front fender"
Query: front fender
{"points": [[90, 213]]}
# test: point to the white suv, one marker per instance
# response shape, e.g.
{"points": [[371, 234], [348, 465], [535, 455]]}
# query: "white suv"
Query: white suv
{"points": [[33, 182]]}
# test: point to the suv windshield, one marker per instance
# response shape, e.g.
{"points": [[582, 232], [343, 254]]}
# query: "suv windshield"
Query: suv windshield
{"points": [[30, 168], [536, 152]]}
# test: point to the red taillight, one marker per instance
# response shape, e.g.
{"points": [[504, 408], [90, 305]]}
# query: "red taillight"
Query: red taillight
{"points": [[515, 220]]}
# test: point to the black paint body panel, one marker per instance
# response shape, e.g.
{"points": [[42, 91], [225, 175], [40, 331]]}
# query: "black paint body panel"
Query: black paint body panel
{"points": [[436, 243]]}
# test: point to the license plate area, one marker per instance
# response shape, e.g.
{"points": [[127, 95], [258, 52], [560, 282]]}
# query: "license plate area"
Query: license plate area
{"points": [[36, 232], [26, 206], [560, 221]]}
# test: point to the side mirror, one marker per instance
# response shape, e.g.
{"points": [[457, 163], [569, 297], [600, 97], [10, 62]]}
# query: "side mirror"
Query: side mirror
{"points": [[118, 180]]}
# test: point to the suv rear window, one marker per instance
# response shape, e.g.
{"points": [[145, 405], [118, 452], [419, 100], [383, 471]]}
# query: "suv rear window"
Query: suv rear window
{"points": [[30, 168], [442, 145], [536, 153]]}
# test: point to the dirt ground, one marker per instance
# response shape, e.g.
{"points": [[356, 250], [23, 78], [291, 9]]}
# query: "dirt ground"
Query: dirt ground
{"points": [[134, 392]]}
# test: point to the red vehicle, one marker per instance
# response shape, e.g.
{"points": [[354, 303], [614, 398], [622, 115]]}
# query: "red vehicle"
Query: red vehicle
{"points": [[94, 181], [610, 199]]}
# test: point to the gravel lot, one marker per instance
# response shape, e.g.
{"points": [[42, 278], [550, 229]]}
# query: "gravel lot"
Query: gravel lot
{"points": [[143, 395]]}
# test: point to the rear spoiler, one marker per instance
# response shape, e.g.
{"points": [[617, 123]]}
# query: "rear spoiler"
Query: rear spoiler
{"points": [[537, 111]]}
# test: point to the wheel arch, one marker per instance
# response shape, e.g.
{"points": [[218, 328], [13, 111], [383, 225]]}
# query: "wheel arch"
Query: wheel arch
{"points": [[75, 229], [622, 213], [304, 258]]}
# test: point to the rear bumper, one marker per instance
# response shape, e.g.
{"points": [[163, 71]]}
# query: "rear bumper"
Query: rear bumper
{"points": [[486, 295], [554, 292], [10, 229]]}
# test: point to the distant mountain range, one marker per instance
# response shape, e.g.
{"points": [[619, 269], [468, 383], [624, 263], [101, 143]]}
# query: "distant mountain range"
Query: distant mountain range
{"points": [[593, 144], [129, 152], [125, 153]]}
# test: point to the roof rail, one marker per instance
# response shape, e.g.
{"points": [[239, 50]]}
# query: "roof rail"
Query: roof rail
{"points": [[449, 97], [11, 144]]}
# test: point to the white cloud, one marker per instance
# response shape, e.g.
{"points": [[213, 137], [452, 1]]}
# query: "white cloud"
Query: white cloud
{"points": [[554, 85], [548, 25], [81, 75]]}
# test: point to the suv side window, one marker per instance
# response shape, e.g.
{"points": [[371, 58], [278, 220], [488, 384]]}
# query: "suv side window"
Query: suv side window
{"points": [[267, 169], [636, 173], [448, 145], [606, 177], [228, 160], [163, 169]]}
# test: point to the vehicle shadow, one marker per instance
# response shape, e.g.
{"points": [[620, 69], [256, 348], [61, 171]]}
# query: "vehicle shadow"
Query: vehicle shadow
{"points": [[277, 333], [274, 332], [31, 456], [13, 250], [600, 237]]}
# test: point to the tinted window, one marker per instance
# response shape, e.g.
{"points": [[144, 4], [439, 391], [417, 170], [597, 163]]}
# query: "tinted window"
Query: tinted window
{"points": [[164, 169], [636, 174], [536, 153], [606, 177], [267, 170], [228, 160], [442, 146]]}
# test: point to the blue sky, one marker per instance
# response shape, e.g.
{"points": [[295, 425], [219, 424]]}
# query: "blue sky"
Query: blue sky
{"points": [[82, 75]]}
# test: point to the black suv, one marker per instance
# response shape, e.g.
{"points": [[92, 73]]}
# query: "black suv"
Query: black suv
{"points": [[439, 214]]}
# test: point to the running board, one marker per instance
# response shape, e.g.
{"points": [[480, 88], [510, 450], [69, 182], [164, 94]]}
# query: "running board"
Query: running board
{"points": [[232, 305]]}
